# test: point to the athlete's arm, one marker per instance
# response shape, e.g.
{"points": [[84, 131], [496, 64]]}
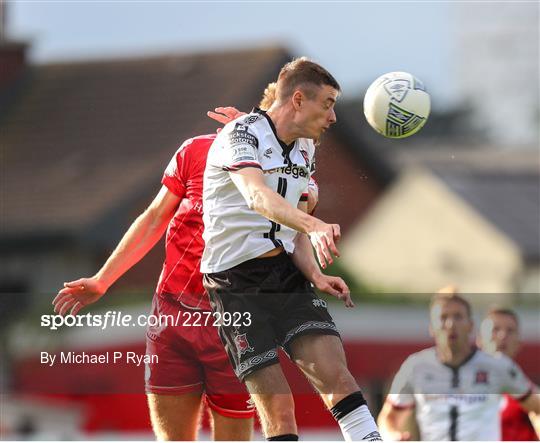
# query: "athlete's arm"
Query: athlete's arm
{"points": [[270, 204], [142, 235], [392, 422], [304, 260]]}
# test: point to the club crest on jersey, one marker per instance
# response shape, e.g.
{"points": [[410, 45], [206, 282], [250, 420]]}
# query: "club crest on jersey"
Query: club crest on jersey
{"points": [[306, 157], [242, 344], [481, 378]]}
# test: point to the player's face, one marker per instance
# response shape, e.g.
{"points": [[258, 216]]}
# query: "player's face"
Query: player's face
{"points": [[450, 325], [317, 114], [499, 333]]}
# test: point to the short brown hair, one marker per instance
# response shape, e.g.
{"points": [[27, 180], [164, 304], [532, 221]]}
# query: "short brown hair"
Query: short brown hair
{"points": [[302, 73], [450, 293], [494, 310]]}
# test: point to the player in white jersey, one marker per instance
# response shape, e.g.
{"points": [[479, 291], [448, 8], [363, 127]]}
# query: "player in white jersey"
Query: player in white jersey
{"points": [[454, 388], [258, 257]]}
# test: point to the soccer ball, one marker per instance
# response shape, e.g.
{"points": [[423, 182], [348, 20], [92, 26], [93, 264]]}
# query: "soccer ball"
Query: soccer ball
{"points": [[397, 105]]}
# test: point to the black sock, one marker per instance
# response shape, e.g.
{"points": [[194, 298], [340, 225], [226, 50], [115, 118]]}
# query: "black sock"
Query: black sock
{"points": [[284, 437]]}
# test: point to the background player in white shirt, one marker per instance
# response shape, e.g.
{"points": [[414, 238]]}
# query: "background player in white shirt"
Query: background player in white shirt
{"points": [[454, 388]]}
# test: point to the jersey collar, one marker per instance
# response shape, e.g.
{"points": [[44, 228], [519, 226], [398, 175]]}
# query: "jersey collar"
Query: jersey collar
{"points": [[285, 148], [465, 361]]}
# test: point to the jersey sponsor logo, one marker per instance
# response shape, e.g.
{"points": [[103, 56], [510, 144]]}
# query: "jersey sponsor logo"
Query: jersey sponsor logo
{"points": [[268, 153], [294, 170], [456, 399], [243, 153], [241, 137], [481, 377], [242, 344], [251, 119]]}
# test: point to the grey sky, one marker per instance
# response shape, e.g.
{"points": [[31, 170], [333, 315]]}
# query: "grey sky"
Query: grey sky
{"points": [[356, 41]]}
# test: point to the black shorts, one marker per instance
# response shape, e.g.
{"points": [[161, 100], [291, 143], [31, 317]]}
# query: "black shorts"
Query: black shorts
{"points": [[269, 303]]}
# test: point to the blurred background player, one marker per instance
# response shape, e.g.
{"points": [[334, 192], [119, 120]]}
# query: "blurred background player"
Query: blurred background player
{"points": [[453, 387], [499, 332], [258, 256], [193, 367]]}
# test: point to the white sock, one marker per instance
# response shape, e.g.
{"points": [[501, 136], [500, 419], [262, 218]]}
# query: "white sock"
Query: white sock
{"points": [[359, 425]]}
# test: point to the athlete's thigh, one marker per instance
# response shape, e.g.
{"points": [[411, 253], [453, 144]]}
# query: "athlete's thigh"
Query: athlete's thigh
{"points": [[175, 368], [175, 417]]}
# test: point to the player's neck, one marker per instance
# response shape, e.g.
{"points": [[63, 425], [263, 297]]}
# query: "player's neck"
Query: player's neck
{"points": [[454, 357], [283, 122]]}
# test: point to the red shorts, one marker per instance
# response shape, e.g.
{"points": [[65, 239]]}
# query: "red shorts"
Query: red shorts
{"points": [[192, 359]]}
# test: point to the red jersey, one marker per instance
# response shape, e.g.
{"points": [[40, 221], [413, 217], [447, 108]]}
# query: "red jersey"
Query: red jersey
{"points": [[180, 277], [515, 422]]}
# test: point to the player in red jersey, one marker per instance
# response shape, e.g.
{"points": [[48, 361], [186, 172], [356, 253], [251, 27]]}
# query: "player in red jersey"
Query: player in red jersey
{"points": [[499, 332], [192, 362]]}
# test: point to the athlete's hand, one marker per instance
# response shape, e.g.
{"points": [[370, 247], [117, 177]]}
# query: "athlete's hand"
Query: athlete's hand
{"points": [[334, 286], [324, 237], [77, 294], [225, 114]]}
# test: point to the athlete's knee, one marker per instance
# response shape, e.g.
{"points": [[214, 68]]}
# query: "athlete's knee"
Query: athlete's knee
{"points": [[276, 413], [334, 380], [231, 429], [174, 417]]}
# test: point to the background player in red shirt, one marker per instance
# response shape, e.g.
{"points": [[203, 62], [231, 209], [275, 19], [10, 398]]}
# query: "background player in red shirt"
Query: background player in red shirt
{"points": [[499, 332], [193, 364]]}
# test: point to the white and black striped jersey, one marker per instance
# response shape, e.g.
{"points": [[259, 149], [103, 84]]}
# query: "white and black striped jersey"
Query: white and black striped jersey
{"points": [[234, 233], [461, 403]]}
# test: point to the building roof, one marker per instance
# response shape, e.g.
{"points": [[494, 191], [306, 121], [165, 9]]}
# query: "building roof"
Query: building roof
{"points": [[502, 184], [508, 200], [102, 129]]}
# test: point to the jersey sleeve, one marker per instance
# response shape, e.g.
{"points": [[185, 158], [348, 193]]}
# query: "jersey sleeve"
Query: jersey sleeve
{"points": [[240, 149], [305, 192], [401, 394], [173, 177], [515, 382]]}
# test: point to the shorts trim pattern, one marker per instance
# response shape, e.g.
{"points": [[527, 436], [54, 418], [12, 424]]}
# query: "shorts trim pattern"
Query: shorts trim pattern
{"points": [[307, 326], [260, 360]]}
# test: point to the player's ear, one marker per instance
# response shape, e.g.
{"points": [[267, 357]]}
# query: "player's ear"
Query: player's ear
{"points": [[297, 99]]}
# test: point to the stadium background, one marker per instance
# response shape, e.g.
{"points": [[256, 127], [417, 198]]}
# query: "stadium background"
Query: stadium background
{"points": [[84, 141]]}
